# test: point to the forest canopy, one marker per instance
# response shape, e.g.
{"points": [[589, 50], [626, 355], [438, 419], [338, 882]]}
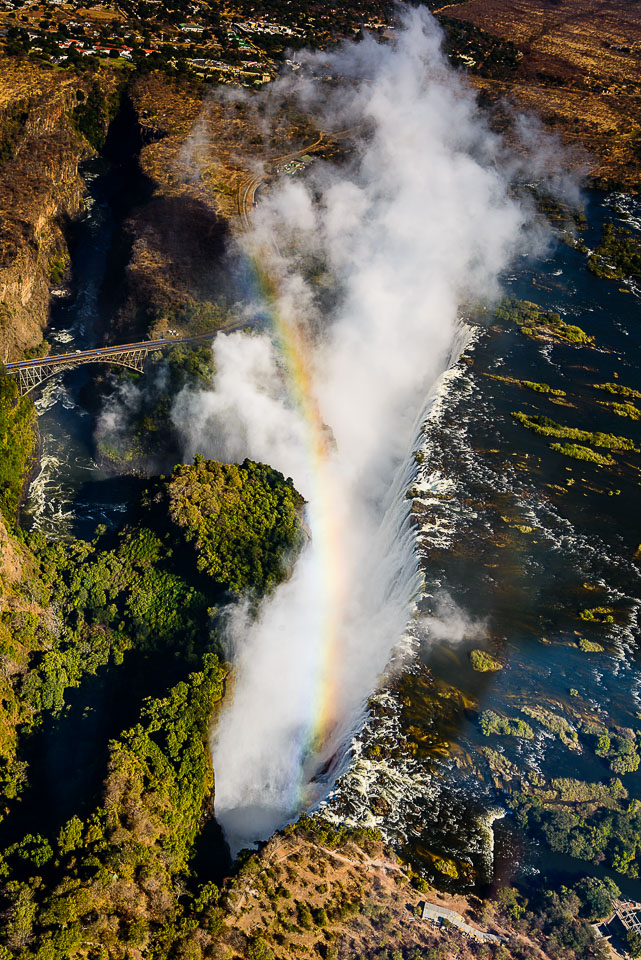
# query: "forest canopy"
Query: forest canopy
{"points": [[17, 444], [244, 520]]}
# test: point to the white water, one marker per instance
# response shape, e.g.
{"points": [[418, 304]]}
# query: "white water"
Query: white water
{"points": [[421, 222]]}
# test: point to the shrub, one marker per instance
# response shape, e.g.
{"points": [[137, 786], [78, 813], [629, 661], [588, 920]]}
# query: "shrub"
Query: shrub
{"points": [[484, 662], [17, 444], [492, 722], [546, 427], [583, 453]]}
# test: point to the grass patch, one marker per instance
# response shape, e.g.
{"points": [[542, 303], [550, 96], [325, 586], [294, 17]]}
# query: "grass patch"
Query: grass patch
{"points": [[582, 791], [622, 409], [17, 443], [578, 452], [541, 324], [492, 722], [57, 267], [618, 255], [619, 389], [529, 385], [484, 662], [590, 646], [542, 388], [546, 427], [597, 615], [555, 724]]}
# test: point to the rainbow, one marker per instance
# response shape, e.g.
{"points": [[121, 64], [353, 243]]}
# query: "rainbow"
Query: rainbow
{"points": [[296, 350]]}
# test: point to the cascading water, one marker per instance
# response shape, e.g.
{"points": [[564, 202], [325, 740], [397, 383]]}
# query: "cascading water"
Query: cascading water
{"points": [[420, 222]]}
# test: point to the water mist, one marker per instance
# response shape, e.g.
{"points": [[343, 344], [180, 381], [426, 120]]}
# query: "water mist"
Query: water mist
{"points": [[417, 223]]}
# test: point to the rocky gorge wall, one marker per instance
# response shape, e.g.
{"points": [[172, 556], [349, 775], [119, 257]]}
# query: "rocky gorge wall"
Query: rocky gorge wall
{"points": [[41, 190]]}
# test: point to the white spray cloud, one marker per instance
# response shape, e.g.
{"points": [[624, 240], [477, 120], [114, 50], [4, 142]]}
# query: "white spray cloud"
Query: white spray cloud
{"points": [[244, 415], [125, 401], [450, 624], [421, 221]]}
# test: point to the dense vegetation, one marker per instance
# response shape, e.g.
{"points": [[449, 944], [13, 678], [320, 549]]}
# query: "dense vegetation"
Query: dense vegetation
{"points": [[17, 444], [594, 833], [482, 661], [559, 919], [11, 129], [543, 388], [540, 324], [115, 879], [554, 723], [82, 607], [618, 255], [595, 821], [619, 390], [244, 521], [131, 609], [623, 409], [136, 432], [492, 722], [578, 452], [91, 115], [121, 880], [546, 427]]}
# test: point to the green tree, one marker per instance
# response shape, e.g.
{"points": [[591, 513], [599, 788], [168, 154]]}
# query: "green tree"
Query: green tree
{"points": [[244, 521], [597, 896], [17, 443], [633, 943]]}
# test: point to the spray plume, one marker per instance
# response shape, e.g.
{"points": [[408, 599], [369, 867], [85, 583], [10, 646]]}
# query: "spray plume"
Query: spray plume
{"points": [[418, 223]]}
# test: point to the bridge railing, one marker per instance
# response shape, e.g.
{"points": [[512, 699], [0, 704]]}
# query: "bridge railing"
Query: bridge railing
{"points": [[31, 373]]}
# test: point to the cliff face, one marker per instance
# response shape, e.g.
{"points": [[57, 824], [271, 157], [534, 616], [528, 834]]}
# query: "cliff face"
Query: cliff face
{"points": [[40, 189], [10, 559], [197, 151], [178, 237]]}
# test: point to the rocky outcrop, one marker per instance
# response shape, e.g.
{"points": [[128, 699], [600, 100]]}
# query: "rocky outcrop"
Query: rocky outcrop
{"points": [[10, 559], [40, 190], [197, 151]]}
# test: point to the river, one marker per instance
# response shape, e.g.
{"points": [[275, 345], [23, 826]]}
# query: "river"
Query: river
{"points": [[71, 493], [514, 540]]}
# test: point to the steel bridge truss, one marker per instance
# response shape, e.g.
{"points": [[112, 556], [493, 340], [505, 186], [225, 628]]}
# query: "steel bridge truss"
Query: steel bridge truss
{"points": [[628, 913], [32, 375]]}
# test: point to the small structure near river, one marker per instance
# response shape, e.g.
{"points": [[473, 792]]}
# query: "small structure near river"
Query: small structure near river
{"points": [[437, 914], [625, 917]]}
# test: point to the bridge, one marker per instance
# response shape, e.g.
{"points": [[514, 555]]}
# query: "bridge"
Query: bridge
{"points": [[627, 912], [31, 373]]}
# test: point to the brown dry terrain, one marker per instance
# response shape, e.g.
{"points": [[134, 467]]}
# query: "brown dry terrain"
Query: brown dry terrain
{"points": [[299, 897], [196, 154], [40, 188], [579, 70], [206, 147]]}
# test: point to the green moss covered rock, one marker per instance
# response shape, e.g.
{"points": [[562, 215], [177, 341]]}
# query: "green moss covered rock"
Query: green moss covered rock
{"points": [[484, 662]]}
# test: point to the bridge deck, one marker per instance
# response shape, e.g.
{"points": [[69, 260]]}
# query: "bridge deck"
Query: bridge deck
{"points": [[149, 345], [31, 373]]}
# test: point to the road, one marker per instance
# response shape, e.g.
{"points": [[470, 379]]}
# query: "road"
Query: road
{"points": [[101, 353], [246, 198], [247, 189]]}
